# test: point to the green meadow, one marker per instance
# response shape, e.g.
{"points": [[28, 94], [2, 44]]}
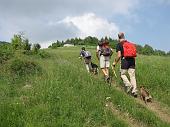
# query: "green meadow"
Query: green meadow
{"points": [[56, 91]]}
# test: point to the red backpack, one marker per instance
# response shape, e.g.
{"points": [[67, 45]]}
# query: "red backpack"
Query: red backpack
{"points": [[129, 49]]}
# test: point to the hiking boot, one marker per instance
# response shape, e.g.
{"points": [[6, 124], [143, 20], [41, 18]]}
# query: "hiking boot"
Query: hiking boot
{"points": [[107, 78], [135, 94]]}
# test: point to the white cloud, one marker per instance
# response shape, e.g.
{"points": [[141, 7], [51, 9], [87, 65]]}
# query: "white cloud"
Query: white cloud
{"points": [[39, 18], [38, 8], [91, 25]]}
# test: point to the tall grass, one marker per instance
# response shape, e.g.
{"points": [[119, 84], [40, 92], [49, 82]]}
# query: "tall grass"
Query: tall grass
{"points": [[63, 95], [153, 72]]}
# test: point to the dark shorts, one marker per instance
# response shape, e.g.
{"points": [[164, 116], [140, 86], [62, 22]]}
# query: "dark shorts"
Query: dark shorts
{"points": [[127, 63]]}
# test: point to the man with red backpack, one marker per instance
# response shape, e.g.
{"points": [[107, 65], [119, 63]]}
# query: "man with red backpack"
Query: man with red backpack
{"points": [[126, 51], [103, 54]]}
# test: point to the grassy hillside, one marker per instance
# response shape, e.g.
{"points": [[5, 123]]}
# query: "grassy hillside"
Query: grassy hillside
{"points": [[153, 72], [63, 94]]}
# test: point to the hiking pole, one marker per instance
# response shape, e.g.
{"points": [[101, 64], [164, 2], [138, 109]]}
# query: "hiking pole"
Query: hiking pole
{"points": [[114, 71]]}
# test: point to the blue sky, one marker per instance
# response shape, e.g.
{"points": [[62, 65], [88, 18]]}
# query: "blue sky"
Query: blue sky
{"points": [[44, 21], [154, 25]]}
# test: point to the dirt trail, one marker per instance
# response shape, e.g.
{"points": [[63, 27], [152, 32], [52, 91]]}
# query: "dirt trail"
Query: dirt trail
{"points": [[155, 107], [162, 113], [124, 116]]}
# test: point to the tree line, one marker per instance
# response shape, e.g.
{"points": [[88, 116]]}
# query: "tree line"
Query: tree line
{"points": [[19, 42], [93, 41], [20, 45]]}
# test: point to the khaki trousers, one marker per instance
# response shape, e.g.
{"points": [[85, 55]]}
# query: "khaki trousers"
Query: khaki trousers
{"points": [[132, 82]]}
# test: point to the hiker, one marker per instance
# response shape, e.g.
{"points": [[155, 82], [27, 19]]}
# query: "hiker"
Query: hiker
{"points": [[103, 54], [87, 58], [127, 56]]}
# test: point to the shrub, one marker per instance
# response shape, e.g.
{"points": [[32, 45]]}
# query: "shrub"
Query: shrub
{"points": [[19, 42], [5, 52], [44, 54], [22, 68], [5, 55], [36, 48], [28, 52], [56, 44]]}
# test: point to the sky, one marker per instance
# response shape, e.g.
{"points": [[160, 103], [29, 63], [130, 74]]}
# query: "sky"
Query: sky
{"points": [[45, 21]]}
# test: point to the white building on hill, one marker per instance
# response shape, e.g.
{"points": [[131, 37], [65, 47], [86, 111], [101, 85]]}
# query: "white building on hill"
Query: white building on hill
{"points": [[68, 45]]}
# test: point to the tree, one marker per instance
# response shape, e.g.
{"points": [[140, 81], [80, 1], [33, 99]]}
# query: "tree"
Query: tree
{"points": [[36, 47], [67, 41], [106, 38], [113, 43], [91, 41], [147, 50], [139, 49], [76, 41], [56, 44], [20, 42], [159, 53], [168, 53], [16, 42], [27, 45]]}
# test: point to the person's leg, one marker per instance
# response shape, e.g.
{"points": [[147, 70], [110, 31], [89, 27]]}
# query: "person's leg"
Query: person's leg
{"points": [[107, 65], [87, 67], [107, 71], [131, 73], [104, 68], [102, 65], [104, 71], [107, 77], [86, 61], [90, 66], [125, 79]]}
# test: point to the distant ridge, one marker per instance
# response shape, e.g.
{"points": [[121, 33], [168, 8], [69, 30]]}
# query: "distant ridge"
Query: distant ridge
{"points": [[3, 42]]}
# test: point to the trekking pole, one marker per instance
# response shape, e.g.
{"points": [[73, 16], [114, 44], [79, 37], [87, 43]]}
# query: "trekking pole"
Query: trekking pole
{"points": [[113, 69]]}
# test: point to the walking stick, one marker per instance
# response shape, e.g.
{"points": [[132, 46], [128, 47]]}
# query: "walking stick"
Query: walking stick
{"points": [[113, 69]]}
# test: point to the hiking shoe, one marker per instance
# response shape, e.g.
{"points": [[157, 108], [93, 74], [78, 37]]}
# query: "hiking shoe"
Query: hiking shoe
{"points": [[107, 78], [135, 94]]}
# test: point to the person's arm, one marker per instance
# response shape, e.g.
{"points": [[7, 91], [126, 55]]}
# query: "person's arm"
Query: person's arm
{"points": [[97, 55], [81, 55], [118, 57], [111, 52], [97, 52]]}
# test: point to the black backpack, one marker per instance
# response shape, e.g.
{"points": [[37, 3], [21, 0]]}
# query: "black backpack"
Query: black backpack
{"points": [[106, 51], [87, 54]]}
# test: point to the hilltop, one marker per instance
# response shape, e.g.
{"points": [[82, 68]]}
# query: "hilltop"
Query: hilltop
{"points": [[56, 90]]}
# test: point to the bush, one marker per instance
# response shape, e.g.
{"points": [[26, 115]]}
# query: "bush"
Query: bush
{"points": [[4, 56], [28, 52], [5, 52], [36, 48], [19, 42], [43, 54], [22, 68]]}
